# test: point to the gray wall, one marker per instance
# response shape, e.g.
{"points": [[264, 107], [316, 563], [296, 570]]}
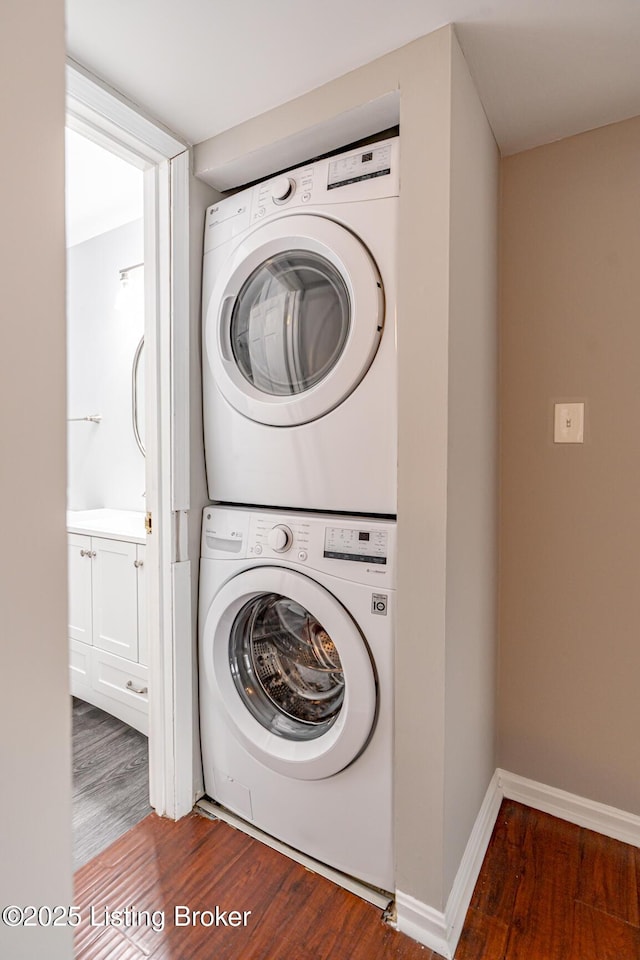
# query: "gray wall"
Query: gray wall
{"points": [[104, 324], [472, 496], [35, 801], [569, 710], [441, 751]]}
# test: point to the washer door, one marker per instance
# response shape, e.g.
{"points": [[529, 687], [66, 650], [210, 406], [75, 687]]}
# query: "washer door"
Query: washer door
{"points": [[292, 671], [294, 320]]}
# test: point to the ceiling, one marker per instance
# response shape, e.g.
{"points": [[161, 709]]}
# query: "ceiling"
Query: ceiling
{"points": [[544, 69]]}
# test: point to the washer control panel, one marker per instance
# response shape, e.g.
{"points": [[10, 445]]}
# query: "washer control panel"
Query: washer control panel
{"points": [[360, 549], [280, 538], [288, 538], [363, 544]]}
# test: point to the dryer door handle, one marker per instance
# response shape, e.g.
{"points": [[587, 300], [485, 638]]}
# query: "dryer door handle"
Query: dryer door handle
{"points": [[225, 332]]}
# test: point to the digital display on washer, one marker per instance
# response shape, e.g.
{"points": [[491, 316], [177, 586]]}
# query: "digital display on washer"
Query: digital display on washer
{"points": [[359, 166], [363, 546]]}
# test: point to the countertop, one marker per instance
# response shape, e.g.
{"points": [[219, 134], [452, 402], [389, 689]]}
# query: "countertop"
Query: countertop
{"points": [[113, 524]]}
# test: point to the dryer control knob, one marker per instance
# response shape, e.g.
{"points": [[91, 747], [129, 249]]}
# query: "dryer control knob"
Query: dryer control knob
{"points": [[280, 538], [281, 189]]}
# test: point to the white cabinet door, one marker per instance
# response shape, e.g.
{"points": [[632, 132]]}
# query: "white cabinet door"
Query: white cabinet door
{"points": [[143, 640], [79, 552], [115, 597]]}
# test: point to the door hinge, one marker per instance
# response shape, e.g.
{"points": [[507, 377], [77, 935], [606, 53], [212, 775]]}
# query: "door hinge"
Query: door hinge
{"points": [[148, 523]]}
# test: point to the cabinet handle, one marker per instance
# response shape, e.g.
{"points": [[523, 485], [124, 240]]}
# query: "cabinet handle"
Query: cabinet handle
{"points": [[140, 690], [93, 553], [138, 563], [87, 553]]}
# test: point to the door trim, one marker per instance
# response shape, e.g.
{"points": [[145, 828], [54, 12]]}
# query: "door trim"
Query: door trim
{"points": [[114, 118], [98, 112]]}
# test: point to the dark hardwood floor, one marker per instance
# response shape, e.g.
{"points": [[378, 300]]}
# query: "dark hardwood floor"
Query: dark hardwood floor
{"points": [[110, 780], [199, 863], [548, 890]]}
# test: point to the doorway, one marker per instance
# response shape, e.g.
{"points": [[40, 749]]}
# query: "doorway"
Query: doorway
{"points": [[106, 489], [108, 120]]}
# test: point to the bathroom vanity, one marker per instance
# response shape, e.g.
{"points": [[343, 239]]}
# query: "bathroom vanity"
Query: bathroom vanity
{"points": [[107, 624]]}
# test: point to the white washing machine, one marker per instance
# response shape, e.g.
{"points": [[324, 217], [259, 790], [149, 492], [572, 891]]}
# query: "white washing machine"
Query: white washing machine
{"points": [[296, 680], [299, 337]]}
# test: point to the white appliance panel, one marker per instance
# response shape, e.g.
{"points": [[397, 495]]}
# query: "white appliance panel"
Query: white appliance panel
{"points": [[332, 445], [342, 815]]}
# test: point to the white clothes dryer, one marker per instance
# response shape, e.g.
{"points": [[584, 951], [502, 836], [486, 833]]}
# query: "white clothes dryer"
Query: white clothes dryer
{"points": [[299, 337], [296, 681]]}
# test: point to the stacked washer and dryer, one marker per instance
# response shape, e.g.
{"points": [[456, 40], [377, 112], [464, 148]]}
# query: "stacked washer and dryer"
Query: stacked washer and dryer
{"points": [[297, 581]]}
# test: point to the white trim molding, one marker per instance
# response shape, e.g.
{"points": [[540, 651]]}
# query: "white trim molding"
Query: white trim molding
{"points": [[471, 863], [599, 817], [440, 931], [93, 103], [422, 923]]}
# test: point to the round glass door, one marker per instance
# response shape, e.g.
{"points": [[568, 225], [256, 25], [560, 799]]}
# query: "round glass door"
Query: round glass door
{"points": [[286, 667], [290, 323], [290, 670], [294, 320]]}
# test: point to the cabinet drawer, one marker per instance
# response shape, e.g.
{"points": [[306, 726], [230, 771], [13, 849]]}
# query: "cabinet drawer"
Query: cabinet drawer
{"points": [[120, 679]]}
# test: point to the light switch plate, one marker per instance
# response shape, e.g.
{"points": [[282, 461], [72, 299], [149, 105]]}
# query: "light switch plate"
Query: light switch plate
{"points": [[568, 424]]}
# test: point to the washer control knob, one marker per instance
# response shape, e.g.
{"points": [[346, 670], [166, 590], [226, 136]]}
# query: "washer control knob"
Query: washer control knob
{"points": [[302, 554], [257, 549], [280, 538], [281, 189]]}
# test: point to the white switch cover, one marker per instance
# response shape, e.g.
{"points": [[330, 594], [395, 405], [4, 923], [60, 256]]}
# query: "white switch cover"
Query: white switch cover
{"points": [[568, 423]]}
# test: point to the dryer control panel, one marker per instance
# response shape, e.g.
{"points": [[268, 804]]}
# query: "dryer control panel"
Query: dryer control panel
{"points": [[367, 173]]}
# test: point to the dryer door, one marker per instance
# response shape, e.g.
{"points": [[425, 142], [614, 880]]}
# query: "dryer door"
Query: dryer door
{"points": [[294, 320], [292, 671]]}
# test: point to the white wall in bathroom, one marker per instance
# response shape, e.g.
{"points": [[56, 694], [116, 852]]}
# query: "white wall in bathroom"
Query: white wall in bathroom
{"points": [[104, 325]]}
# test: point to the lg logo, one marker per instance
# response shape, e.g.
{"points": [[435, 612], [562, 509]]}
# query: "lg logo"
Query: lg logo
{"points": [[379, 604]]}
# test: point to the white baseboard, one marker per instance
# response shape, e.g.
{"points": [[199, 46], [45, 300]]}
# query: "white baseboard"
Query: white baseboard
{"points": [[471, 863], [440, 931], [568, 806], [422, 923]]}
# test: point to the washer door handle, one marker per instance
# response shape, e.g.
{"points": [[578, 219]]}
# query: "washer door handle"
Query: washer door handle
{"points": [[225, 332]]}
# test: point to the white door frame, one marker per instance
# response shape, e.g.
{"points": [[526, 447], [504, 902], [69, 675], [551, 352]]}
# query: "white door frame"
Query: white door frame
{"points": [[105, 117]]}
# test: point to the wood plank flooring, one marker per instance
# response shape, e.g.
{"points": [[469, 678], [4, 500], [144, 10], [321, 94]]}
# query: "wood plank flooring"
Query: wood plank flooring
{"points": [[110, 780], [548, 890], [199, 864]]}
